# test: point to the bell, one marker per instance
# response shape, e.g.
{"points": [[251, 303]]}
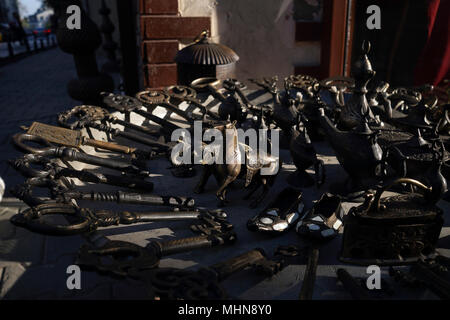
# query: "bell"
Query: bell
{"points": [[205, 59]]}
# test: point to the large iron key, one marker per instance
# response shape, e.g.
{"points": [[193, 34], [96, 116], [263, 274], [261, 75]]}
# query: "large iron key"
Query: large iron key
{"points": [[141, 258], [169, 283], [54, 171], [158, 98], [90, 115], [87, 220], [70, 154], [183, 93], [129, 198]]}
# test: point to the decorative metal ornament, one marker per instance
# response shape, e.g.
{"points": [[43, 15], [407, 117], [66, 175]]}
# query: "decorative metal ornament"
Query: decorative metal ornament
{"points": [[205, 59], [392, 231]]}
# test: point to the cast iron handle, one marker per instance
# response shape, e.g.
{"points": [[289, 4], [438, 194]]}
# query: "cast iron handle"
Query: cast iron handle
{"points": [[414, 182]]}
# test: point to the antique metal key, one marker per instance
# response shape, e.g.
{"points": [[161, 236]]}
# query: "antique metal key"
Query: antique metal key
{"points": [[90, 115], [158, 98], [183, 93], [174, 284], [70, 154], [85, 220], [72, 138], [124, 257], [126, 104]]}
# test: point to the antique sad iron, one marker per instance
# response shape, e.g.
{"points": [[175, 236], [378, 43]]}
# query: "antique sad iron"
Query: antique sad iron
{"points": [[393, 231]]}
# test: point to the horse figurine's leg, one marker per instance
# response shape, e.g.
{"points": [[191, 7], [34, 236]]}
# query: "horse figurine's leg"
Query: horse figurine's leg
{"points": [[223, 189], [232, 172]]}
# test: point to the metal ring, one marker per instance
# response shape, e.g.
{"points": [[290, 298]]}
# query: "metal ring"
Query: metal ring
{"points": [[19, 140], [31, 219]]}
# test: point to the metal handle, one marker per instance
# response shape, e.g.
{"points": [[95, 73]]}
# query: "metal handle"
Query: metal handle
{"points": [[19, 140], [138, 198], [31, 219], [235, 264], [310, 274], [108, 146], [192, 243], [377, 198]]}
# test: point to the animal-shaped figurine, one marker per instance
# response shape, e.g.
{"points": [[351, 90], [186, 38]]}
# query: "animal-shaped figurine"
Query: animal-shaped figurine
{"points": [[232, 168], [357, 151]]}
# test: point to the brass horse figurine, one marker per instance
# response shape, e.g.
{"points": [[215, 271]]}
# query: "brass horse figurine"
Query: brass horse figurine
{"points": [[233, 167]]}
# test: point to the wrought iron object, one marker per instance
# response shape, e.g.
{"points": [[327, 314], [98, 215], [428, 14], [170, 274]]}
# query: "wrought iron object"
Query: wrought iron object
{"points": [[127, 197], [204, 284], [127, 104], [426, 274], [357, 109], [85, 220], [420, 159], [74, 139], [284, 111], [338, 86], [138, 259], [359, 154], [230, 107], [90, 115], [181, 93], [281, 214], [205, 59], [309, 279], [70, 154], [395, 230], [52, 170], [324, 220], [154, 98], [304, 156]]}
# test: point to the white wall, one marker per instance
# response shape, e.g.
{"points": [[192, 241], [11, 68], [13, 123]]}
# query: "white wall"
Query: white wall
{"points": [[262, 32]]}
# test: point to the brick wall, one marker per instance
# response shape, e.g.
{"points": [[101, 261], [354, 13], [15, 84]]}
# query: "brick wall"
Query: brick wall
{"points": [[161, 29]]}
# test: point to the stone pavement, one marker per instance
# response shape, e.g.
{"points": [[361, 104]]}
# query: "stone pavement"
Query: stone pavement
{"points": [[33, 266], [31, 89]]}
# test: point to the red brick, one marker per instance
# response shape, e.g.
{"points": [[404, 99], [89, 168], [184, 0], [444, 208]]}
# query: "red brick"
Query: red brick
{"points": [[160, 75], [159, 51], [174, 27], [159, 7]]}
